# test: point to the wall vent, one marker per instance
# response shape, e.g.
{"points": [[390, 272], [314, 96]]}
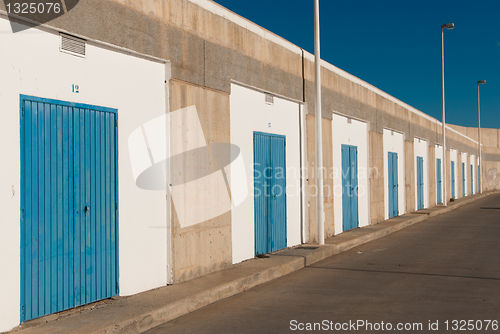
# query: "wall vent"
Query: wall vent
{"points": [[392, 132], [349, 121], [72, 45], [269, 99]]}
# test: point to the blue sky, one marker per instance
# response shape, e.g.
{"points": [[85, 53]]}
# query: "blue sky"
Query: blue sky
{"points": [[395, 45]]}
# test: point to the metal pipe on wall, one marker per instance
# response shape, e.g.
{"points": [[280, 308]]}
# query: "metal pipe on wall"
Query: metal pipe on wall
{"points": [[320, 215]]}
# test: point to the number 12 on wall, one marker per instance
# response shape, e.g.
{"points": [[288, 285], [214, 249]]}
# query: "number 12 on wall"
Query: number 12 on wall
{"points": [[75, 88]]}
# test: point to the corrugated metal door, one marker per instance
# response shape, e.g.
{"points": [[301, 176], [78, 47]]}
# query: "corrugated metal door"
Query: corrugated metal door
{"points": [[420, 183], [453, 179], [269, 192], [439, 181], [350, 215], [69, 196], [393, 184], [463, 179]]}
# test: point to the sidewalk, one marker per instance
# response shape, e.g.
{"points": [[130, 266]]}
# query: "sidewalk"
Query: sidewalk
{"points": [[146, 310]]}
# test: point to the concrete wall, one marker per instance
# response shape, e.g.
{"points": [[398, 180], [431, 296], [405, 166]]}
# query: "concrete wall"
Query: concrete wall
{"points": [[136, 87], [205, 247], [355, 133], [328, 196], [394, 142], [377, 177], [431, 180]]}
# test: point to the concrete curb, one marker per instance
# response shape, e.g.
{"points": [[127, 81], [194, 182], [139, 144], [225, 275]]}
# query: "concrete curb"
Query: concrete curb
{"points": [[182, 307], [286, 262]]}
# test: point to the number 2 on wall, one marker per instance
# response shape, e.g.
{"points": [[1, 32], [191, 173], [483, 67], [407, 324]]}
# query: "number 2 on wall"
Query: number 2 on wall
{"points": [[75, 88]]}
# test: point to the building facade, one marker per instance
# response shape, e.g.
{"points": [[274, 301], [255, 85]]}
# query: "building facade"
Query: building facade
{"points": [[151, 143]]}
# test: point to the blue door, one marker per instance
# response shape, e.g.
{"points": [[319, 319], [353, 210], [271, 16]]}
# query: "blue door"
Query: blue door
{"points": [[453, 179], [471, 179], [269, 192], [439, 181], [420, 183], [393, 184], [350, 217], [463, 179], [69, 196]]}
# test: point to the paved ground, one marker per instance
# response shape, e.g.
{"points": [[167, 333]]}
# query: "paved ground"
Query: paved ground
{"points": [[446, 268]]}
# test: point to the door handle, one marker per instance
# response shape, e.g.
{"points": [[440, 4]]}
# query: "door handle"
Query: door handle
{"points": [[87, 209]]}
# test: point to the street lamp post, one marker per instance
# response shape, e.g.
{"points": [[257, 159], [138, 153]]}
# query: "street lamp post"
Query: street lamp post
{"points": [[320, 216], [447, 26], [479, 172]]}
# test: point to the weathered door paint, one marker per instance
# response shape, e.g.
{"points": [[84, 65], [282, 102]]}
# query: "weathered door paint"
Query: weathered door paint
{"points": [[439, 182], [420, 183], [69, 205], [393, 184], [350, 213], [269, 192]]}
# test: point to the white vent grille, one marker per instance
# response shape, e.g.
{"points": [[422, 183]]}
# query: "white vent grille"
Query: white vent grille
{"points": [[72, 45], [269, 99]]}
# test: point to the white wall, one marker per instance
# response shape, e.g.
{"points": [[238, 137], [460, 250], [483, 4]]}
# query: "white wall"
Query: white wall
{"points": [[421, 149], [465, 161], [439, 155], [31, 64], [394, 142], [474, 175], [355, 134], [454, 158], [250, 113]]}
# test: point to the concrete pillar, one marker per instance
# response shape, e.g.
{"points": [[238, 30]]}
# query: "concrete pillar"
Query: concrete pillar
{"points": [[376, 174], [409, 175], [432, 176], [459, 175]]}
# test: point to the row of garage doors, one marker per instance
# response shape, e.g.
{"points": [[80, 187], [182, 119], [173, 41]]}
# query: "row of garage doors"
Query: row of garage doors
{"points": [[69, 202]]}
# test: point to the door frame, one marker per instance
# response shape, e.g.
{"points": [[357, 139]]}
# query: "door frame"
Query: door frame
{"points": [[22, 99]]}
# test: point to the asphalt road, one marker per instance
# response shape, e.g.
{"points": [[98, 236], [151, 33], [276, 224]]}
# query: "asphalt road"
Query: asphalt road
{"points": [[444, 269]]}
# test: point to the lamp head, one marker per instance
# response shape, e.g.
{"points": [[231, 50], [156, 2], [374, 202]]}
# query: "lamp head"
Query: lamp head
{"points": [[448, 26], [481, 82]]}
